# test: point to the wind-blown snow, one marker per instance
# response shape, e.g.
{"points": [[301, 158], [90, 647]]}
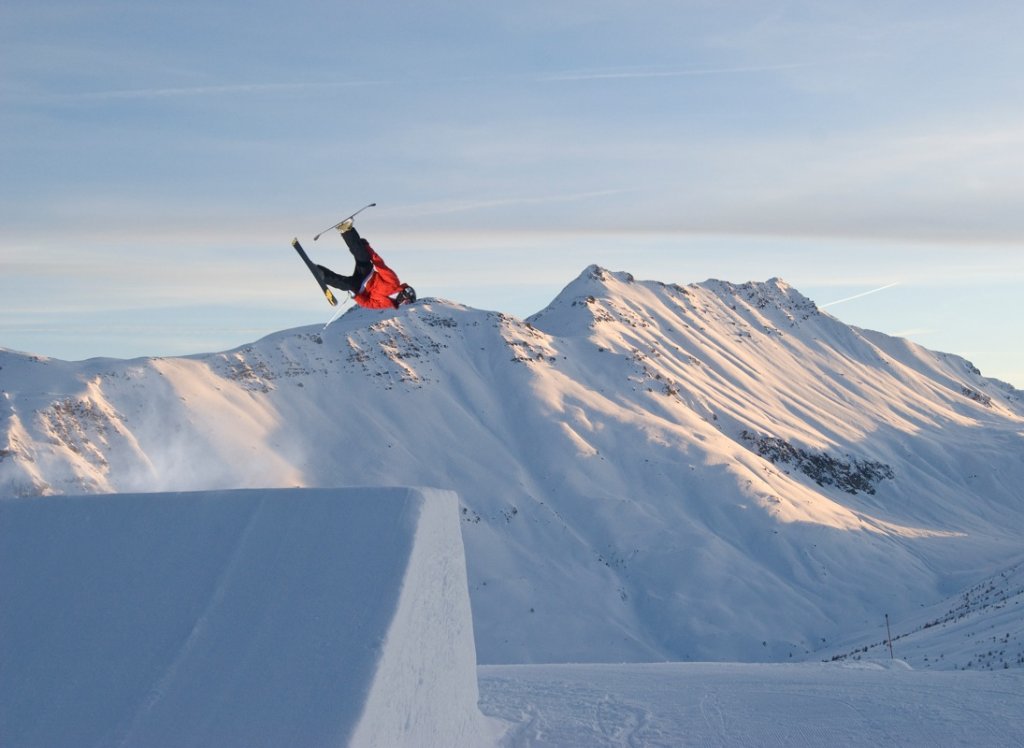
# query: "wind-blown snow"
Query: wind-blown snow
{"points": [[646, 471], [248, 618]]}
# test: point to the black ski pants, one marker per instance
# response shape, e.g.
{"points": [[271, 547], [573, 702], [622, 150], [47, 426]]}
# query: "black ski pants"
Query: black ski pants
{"points": [[364, 266]]}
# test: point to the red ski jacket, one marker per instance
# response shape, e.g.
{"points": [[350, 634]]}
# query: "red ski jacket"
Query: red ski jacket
{"points": [[379, 285]]}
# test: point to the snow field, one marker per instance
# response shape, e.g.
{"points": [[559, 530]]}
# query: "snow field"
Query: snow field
{"points": [[237, 618], [878, 703]]}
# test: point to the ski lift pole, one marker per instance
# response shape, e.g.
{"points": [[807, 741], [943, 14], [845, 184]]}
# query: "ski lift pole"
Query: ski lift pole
{"points": [[888, 632]]}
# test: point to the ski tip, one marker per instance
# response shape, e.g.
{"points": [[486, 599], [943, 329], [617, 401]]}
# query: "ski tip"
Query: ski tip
{"points": [[295, 242]]}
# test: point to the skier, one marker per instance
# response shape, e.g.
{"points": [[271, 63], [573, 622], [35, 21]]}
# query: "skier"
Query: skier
{"points": [[372, 283]]}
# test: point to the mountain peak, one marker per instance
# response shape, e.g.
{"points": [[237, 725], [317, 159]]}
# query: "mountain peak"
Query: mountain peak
{"points": [[576, 307], [772, 294], [599, 295], [630, 429], [601, 275]]}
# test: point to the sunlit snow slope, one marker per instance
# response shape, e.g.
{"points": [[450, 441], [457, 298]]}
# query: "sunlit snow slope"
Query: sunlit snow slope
{"points": [[236, 618], [646, 471]]}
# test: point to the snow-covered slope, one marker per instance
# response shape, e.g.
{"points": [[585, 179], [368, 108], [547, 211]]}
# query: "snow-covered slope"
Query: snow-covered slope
{"points": [[980, 628], [647, 471], [265, 617]]}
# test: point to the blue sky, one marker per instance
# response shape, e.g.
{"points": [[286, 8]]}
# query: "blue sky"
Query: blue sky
{"points": [[158, 158]]}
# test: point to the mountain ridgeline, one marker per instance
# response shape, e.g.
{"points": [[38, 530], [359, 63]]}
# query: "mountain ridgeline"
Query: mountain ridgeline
{"points": [[646, 471]]}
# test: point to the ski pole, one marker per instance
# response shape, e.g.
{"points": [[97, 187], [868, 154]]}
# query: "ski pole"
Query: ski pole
{"points": [[343, 220]]}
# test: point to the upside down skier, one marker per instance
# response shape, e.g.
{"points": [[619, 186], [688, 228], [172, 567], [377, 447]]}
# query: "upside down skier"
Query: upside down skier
{"points": [[372, 283]]}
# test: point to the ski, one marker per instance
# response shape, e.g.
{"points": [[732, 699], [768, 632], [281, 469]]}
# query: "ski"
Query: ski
{"points": [[316, 272], [343, 220]]}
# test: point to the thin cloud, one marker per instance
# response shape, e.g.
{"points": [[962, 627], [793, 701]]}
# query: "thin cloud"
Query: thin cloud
{"points": [[859, 296], [442, 208], [237, 88], [624, 74]]}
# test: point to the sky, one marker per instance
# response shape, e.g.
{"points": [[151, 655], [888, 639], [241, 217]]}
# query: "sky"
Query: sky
{"points": [[157, 158]]}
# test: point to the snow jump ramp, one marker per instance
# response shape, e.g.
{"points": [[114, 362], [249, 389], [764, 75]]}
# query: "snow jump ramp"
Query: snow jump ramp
{"points": [[299, 617]]}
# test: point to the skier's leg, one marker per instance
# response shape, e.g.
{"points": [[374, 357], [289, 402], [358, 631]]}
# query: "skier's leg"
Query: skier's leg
{"points": [[341, 282], [358, 247]]}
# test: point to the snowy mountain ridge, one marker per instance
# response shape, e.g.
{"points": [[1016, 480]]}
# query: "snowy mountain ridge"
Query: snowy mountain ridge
{"points": [[647, 471], [980, 628]]}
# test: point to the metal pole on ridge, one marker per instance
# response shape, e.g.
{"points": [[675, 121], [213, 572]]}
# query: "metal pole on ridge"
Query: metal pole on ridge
{"points": [[888, 632]]}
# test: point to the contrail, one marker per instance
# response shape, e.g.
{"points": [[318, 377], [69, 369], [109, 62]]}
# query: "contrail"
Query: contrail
{"points": [[858, 296], [258, 88]]}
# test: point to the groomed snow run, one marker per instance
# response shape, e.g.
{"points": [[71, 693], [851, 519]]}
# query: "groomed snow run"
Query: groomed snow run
{"points": [[870, 704], [237, 618]]}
